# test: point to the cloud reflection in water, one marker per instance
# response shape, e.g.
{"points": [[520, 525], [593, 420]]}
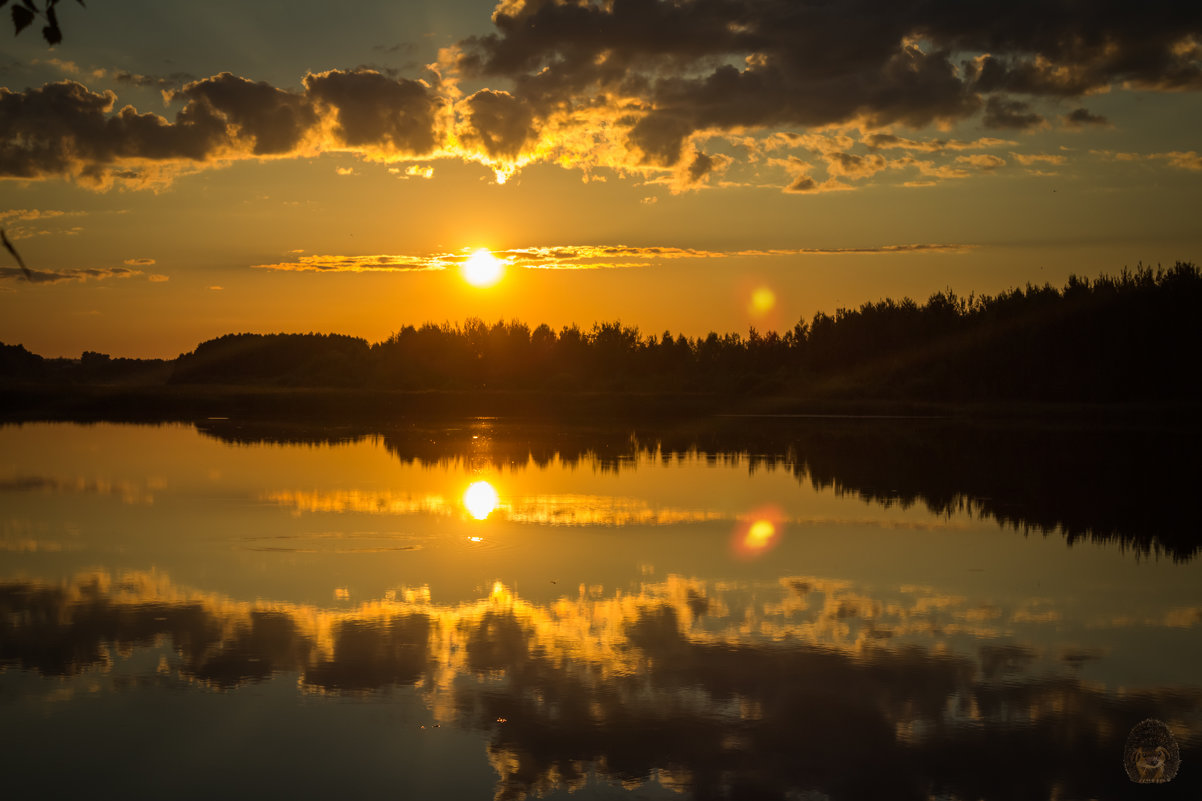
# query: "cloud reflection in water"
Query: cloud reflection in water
{"points": [[749, 688]]}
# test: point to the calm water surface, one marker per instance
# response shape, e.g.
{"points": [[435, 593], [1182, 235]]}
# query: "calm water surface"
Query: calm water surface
{"points": [[483, 610]]}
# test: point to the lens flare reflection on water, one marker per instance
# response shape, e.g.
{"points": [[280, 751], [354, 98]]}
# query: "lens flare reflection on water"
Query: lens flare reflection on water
{"points": [[758, 532]]}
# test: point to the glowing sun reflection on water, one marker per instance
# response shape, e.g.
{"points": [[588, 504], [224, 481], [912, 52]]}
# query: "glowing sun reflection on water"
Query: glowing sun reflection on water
{"points": [[480, 499]]}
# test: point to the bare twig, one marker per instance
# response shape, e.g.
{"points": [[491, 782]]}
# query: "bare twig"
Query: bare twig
{"points": [[9, 246]]}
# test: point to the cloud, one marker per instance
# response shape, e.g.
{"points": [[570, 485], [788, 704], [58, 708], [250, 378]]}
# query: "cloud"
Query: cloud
{"points": [[419, 171], [358, 264], [985, 162], [1001, 113], [499, 123], [165, 83], [63, 66], [250, 116], [888, 141], [852, 166], [158, 278], [368, 110], [26, 215], [696, 171], [639, 87], [1182, 160], [580, 257], [138, 262], [1081, 117], [77, 275], [1027, 159], [66, 130], [696, 65]]}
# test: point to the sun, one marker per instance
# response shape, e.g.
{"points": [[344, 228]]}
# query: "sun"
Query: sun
{"points": [[483, 269]]}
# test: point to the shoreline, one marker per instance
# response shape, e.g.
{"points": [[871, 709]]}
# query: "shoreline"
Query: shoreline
{"points": [[193, 403]]}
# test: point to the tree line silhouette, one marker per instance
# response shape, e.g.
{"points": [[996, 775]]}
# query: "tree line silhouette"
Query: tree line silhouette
{"points": [[1129, 337]]}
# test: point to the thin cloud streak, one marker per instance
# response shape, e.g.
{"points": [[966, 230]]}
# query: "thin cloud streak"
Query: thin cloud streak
{"points": [[62, 276], [581, 257], [1182, 160]]}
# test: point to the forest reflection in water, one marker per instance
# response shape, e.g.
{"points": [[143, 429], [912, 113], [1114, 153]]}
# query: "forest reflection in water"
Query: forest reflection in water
{"points": [[1111, 485], [163, 598]]}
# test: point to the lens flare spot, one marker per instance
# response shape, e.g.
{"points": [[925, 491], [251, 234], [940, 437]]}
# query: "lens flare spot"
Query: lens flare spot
{"points": [[763, 300], [758, 532], [483, 269], [480, 499]]}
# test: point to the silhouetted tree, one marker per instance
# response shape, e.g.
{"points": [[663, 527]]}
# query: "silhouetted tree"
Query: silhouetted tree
{"points": [[26, 11]]}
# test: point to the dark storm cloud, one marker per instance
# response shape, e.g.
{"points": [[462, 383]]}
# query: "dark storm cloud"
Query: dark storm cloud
{"points": [[499, 123], [753, 63], [371, 110]]}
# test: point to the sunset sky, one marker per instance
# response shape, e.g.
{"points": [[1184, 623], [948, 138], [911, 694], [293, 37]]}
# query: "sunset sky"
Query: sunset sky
{"points": [[172, 172]]}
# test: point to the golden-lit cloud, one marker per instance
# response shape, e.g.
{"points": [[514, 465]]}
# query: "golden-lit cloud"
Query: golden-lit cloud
{"points": [[1189, 160], [888, 141], [28, 223], [372, 263], [1182, 160], [985, 162], [641, 90], [31, 214], [1028, 159], [579, 257]]}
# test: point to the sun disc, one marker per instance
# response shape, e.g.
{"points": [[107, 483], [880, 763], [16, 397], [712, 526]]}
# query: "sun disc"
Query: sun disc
{"points": [[483, 269], [762, 300]]}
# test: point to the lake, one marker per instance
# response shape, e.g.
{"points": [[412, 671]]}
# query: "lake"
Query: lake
{"points": [[807, 608]]}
